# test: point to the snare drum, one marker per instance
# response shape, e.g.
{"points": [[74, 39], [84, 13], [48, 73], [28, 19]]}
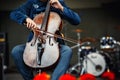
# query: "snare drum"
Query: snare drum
{"points": [[85, 50], [94, 63]]}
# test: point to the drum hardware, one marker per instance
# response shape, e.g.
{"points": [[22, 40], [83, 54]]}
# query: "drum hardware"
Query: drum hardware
{"points": [[84, 41], [117, 43], [118, 60], [107, 43], [78, 31], [77, 67], [88, 39], [90, 62], [116, 57], [77, 45], [111, 48], [106, 54]]}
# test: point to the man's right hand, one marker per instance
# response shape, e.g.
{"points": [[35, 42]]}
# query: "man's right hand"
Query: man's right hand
{"points": [[30, 23]]}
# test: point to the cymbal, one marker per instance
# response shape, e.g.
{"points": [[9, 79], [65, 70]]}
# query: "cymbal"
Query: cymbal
{"points": [[117, 27], [78, 30], [88, 39], [108, 50]]}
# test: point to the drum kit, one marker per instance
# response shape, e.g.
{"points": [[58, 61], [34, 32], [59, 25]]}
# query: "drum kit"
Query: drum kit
{"points": [[94, 61]]}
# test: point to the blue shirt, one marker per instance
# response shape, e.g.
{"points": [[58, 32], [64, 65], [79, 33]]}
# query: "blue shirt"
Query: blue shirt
{"points": [[32, 7]]}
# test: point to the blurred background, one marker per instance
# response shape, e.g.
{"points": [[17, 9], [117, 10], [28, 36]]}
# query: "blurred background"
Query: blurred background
{"points": [[99, 18]]}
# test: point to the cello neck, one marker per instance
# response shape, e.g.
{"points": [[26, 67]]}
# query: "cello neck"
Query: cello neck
{"points": [[46, 16]]}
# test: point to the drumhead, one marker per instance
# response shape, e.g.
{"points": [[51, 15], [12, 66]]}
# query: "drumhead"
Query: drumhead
{"points": [[94, 64]]}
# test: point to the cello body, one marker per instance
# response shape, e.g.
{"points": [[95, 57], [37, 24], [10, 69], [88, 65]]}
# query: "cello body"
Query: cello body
{"points": [[43, 53]]}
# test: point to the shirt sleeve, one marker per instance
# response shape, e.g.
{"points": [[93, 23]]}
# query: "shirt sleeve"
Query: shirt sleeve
{"points": [[21, 13], [69, 14]]}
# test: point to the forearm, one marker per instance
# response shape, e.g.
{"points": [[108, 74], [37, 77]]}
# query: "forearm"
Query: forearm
{"points": [[18, 17], [20, 14]]}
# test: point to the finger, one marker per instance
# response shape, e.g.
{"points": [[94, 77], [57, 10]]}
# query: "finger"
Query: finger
{"points": [[29, 25], [32, 25]]}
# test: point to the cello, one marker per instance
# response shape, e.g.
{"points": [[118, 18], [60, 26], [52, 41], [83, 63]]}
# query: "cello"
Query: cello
{"points": [[43, 50]]}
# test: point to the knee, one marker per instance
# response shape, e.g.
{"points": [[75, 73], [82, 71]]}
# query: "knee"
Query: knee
{"points": [[17, 51], [67, 50]]}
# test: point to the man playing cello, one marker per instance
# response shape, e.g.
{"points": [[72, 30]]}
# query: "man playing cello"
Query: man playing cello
{"points": [[25, 15]]}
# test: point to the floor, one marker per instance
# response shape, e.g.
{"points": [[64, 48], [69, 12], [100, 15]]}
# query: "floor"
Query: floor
{"points": [[13, 76]]}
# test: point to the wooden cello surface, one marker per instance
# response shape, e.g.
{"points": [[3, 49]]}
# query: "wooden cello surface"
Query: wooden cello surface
{"points": [[42, 53]]}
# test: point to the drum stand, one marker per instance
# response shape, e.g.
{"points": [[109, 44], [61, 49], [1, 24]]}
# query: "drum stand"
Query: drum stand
{"points": [[78, 68]]}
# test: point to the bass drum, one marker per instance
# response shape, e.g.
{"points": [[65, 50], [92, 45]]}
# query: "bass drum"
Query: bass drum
{"points": [[94, 63]]}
